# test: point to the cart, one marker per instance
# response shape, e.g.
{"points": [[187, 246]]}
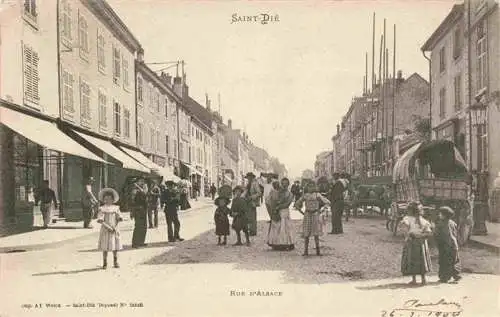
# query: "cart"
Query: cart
{"points": [[435, 174]]}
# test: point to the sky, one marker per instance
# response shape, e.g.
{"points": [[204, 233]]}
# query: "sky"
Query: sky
{"points": [[287, 83]]}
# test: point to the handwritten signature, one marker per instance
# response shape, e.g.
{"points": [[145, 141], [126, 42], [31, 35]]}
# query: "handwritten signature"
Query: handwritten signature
{"points": [[416, 308]]}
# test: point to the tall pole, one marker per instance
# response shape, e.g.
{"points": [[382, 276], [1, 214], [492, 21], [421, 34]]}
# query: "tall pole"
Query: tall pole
{"points": [[373, 53], [366, 73], [393, 91], [469, 67], [377, 157]]}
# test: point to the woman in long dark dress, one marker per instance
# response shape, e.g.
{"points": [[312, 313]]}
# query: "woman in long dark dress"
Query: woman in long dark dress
{"points": [[416, 259], [139, 205], [184, 199], [446, 239]]}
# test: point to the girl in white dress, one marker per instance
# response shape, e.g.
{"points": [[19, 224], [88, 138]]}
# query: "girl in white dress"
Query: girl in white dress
{"points": [[109, 216]]}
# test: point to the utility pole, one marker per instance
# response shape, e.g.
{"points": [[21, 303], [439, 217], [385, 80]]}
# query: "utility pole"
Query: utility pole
{"points": [[393, 96]]}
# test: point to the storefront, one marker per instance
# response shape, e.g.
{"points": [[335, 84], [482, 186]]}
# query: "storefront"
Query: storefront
{"points": [[32, 149]]}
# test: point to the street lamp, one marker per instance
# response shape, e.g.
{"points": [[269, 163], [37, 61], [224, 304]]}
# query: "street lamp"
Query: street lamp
{"points": [[478, 115]]}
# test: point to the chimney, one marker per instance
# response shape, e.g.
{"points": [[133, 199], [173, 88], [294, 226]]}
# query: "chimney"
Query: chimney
{"points": [[230, 123], [178, 86], [166, 78], [400, 76], [207, 101], [140, 55]]}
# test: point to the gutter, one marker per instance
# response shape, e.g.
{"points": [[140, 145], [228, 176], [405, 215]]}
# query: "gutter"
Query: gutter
{"points": [[430, 88], [61, 155]]}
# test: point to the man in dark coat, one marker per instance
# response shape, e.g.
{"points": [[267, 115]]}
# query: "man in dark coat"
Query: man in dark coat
{"points": [[46, 196], [337, 199], [213, 191], [170, 199], [89, 203], [296, 190]]}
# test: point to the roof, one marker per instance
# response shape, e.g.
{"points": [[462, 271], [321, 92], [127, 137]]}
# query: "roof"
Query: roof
{"points": [[145, 70], [202, 114], [456, 13], [109, 17]]}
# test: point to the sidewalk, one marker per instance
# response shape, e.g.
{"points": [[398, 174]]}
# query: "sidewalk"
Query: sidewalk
{"points": [[63, 232], [490, 241]]}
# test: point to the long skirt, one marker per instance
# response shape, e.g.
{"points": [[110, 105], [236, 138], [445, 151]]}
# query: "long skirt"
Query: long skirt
{"points": [[184, 202], [337, 211], [222, 226], [416, 259], [312, 224], [252, 220], [140, 227], [280, 235], [449, 263]]}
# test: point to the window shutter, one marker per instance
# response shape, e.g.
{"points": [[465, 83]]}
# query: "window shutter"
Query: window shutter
{"points": [[28, 83], [35, 78]]}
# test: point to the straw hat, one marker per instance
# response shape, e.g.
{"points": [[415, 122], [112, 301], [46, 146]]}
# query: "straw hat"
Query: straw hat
{"points": [[447, 211], [109, 191]]}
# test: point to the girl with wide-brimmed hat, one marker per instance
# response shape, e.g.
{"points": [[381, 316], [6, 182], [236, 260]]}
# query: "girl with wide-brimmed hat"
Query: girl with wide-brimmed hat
{"points": [[109, 216], [239, 212]]}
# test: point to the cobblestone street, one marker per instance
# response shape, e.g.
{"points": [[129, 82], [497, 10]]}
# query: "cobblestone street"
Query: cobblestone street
{"points": [[163, 277], [365, 251]]}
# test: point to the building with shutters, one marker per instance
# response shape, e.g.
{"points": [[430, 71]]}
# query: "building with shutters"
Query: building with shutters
{"points": [[32, 148], [156, 116], [98, 102], [464, 60]]}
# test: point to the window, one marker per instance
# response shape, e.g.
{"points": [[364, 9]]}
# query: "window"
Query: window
{"points": [[85, 101], [458, 92], [126, 123], [482, 151], [166, 108], [442, 103], [153, 141], [116, 65], [157, 100], [30, 10], [31, 79], [140, 134], [117, 121], [126, 83], [151, 96], [158, 141], [66, 22], [442, 60], [101, 55], [103, 103], [482, 63], [83, 38], [140, 89], [457, 43], [167, 147], [68, 95]]}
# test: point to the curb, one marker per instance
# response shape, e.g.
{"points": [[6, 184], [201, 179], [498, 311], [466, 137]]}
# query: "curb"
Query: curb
{"points": [[484, 245], [45, 246]]}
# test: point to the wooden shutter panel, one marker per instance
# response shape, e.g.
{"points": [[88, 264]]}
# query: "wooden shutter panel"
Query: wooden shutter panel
{"points": [[35, 78]]}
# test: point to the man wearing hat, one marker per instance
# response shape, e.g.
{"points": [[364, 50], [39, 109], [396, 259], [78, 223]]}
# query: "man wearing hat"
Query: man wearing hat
{"points": [[89, 203], [252, 195], [170, 199]]}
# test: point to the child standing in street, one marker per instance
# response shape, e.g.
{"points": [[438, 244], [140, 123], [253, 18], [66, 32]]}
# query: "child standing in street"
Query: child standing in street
{"points": [[109, 216], [447, 243], [239, 212], [312, 223], [221, 218]]}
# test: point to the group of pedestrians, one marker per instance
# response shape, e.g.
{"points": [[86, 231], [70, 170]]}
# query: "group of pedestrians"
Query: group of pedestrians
{"points": [[278, 196]]}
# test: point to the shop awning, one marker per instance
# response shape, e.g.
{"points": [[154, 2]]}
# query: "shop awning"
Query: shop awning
{"points": [[44, 133], [116, 153], [166, 172], [193, 169]]}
